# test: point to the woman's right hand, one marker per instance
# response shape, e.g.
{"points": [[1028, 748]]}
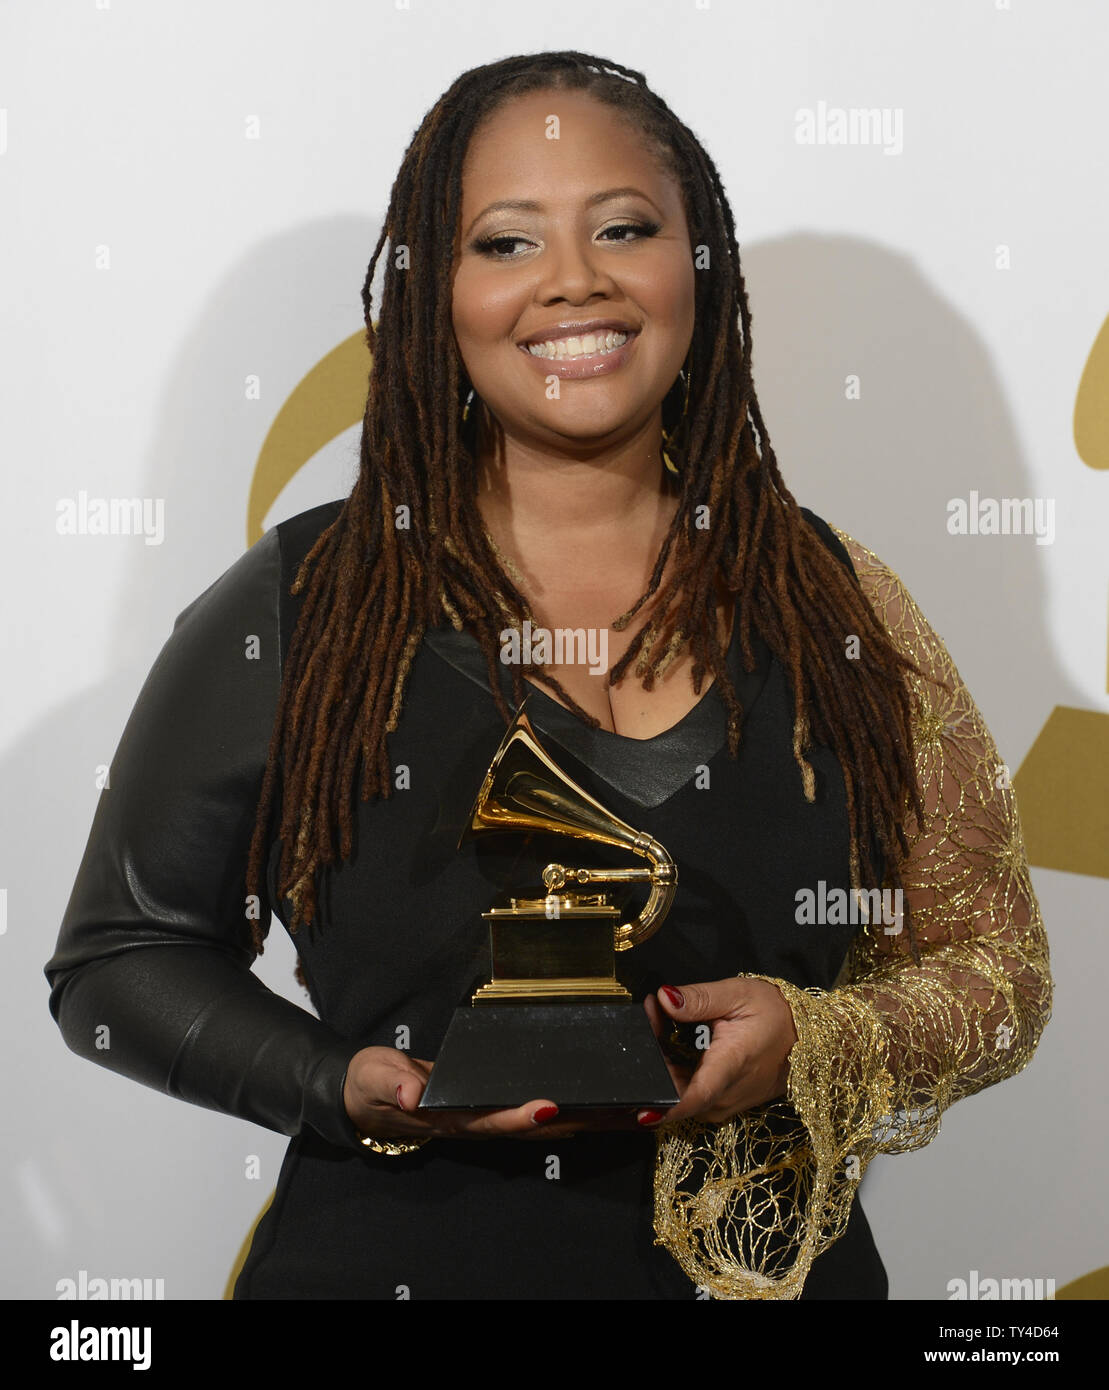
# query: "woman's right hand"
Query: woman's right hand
{"points": [[383, 1089]]}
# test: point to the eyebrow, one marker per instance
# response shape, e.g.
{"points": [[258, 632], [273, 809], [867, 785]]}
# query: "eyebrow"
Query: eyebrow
{"points": [[528, 205]]}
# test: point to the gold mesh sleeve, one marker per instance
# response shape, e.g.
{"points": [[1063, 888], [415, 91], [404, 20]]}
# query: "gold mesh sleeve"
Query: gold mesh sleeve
{"points": [[746, 1206]]}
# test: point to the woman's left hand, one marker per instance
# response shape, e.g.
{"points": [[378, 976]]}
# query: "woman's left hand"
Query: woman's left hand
{"points": [[747, 1060]]}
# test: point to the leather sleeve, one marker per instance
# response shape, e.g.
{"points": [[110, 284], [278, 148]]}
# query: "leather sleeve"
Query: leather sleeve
{"points": [[152, 974]]}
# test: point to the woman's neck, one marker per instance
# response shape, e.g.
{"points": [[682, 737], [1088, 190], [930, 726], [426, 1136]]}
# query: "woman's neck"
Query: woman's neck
{"points": [[611, 510]]}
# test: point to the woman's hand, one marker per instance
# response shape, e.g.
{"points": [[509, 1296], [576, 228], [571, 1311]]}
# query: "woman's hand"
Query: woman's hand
{"points": [[745, 1064], [747, 1060], [383, 1089]]}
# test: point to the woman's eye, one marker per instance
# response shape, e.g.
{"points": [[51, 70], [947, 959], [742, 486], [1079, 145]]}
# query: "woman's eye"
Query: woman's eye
{"points": [[499, 248], [643, 229], [487, 245]]}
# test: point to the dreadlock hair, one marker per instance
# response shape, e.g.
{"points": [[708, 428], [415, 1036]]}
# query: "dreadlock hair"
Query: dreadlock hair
{"points": [[369, 594]]}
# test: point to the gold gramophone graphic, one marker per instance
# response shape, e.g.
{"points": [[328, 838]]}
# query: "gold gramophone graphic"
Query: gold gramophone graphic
{"points": [[553, 1020]]}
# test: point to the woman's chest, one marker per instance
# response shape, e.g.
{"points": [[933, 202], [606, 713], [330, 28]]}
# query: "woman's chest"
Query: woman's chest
{"points": [[578, 647], [402, 938]]}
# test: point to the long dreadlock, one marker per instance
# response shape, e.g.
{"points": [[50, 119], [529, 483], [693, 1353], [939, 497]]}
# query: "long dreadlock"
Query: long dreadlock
{"points": [[369, 594]]}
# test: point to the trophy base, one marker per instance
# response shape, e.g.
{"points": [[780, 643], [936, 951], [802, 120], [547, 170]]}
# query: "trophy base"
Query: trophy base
{"points": [[586, 1055], [568, 987]]}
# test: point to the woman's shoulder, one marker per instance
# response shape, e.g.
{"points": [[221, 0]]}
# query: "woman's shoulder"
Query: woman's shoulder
{"points": [[877, 580], [832, 538], [296, 535], [875, 577], [882, 587], [250, 596], [295, 538], [894, 606]]}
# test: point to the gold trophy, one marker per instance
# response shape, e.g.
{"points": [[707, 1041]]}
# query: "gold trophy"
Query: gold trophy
{"points": [[553, 1020]]}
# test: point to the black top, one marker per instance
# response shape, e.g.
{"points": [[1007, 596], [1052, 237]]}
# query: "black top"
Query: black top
{"points": [[400, 941]]}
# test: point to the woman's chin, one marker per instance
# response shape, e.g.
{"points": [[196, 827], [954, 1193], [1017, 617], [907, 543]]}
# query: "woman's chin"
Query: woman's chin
{"points": [[595, 432]]}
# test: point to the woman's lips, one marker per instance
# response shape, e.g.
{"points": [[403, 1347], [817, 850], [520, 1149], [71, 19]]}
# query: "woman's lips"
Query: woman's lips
{"points": [[587, 365]]}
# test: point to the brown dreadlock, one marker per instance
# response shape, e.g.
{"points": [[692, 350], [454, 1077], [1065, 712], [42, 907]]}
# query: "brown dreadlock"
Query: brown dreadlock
{"points": [[369, 595]]}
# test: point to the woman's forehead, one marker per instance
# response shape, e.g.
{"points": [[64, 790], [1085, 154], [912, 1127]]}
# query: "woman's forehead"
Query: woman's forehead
{"points": [[548, 147]]}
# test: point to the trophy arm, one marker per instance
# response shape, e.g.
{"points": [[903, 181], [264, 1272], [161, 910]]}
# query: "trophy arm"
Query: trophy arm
{"points": [[662, 876], [664, 884]]}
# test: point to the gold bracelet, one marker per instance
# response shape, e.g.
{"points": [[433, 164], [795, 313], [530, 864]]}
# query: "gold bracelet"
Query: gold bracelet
{"points": [[393, 1148]]}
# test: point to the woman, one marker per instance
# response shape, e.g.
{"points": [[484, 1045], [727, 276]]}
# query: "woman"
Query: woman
{"points": [[561, 426]]}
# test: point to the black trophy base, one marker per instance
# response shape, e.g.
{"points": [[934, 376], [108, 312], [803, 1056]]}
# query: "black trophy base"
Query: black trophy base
{"points": [[498, 1056]]}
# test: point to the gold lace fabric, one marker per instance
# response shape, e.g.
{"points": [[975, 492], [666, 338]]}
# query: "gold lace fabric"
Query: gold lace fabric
{"points": [[746, 1206]]}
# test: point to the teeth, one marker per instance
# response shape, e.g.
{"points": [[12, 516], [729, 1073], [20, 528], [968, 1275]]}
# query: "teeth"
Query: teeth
{"points": [[589, 344]]}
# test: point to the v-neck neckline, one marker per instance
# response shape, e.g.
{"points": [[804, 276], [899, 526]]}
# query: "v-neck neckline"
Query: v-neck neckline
{"points": [[646, 771]]}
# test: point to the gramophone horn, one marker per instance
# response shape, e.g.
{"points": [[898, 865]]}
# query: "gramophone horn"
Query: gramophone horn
{"points": [[525, 790]]}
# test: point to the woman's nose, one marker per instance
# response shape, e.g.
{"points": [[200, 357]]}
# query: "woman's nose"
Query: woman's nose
{"points": [[571, 269]]}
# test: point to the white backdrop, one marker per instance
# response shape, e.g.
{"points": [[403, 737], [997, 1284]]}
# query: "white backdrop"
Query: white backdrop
{"points": [[125, 127]]}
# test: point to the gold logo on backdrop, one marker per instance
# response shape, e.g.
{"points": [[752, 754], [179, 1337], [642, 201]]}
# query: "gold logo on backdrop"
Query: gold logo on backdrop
{"points": [[1061, 784], [324, 403], [1091, 405]]}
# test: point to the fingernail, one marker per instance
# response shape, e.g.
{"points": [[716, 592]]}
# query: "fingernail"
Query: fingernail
{"points": [[676, 997], [545, 1112], [649, 1117], [399, 1101]]}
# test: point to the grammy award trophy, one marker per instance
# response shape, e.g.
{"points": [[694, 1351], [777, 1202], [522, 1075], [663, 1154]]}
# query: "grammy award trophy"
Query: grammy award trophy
{"points": [[552, 1019]]}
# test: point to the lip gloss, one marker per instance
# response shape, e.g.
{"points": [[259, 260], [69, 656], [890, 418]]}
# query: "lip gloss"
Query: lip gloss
{"points": [[579, 368]]}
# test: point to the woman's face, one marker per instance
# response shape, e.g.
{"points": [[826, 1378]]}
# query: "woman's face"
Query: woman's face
{"points": [[596, 242]]}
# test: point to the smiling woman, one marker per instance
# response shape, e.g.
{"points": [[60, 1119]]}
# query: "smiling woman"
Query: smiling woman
{"points": [[573, 316], [561, 432], [609, 253]]}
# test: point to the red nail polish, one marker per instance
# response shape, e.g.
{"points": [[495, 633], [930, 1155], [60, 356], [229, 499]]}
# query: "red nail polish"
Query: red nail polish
{"points": [[649, 1117], [545, 1112], [399, 1101], [676, 997]]}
